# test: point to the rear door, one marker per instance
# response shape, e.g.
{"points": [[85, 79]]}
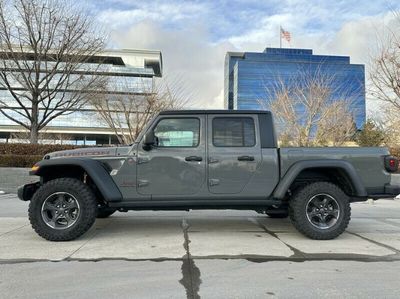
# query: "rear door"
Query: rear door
{"points": [[234, 152]]}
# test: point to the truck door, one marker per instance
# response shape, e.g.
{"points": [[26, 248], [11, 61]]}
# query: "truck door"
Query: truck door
{"points": [[234, 152], [176, 164]]}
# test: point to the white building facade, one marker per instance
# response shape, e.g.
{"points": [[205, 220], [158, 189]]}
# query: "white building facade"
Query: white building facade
{"points": [[127, 71]]}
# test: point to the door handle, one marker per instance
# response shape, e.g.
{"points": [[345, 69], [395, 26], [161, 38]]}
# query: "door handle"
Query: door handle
{"points": [[194, 158], [245, 158]]}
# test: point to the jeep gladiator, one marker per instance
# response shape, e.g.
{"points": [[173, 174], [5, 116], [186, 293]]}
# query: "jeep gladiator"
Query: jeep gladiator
{"points": [[216, 159]]}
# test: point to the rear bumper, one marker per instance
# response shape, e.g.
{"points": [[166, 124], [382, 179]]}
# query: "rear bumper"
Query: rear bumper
{"points": [[26, 192], [390, 192]]}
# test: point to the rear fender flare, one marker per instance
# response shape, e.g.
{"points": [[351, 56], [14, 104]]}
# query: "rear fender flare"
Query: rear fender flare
{"points": [[298, 167]]}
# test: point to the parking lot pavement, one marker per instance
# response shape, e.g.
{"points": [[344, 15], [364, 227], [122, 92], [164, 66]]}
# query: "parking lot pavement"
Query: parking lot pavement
{"points": [[208, 234], [200, 250], [283, 279], [106, 279]]}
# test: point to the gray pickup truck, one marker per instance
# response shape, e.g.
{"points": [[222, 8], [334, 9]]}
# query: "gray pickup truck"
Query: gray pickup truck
{"points": [[207, 160]]}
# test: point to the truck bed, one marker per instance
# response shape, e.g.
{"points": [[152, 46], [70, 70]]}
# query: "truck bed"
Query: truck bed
{"points": [[367, 161]]}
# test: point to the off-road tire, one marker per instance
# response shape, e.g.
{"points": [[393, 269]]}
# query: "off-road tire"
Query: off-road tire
{"points": [[298, 215], [86, 218], [104, 212]]}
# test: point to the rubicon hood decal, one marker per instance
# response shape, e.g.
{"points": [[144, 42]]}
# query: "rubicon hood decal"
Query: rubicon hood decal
{"points": [[110, 151]]}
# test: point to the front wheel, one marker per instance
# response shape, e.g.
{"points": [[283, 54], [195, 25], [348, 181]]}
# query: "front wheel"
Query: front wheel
{"points": [[62, 209], [320, 210]]}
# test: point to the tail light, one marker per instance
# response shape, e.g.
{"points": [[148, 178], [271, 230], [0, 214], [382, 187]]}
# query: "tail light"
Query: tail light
{"points": [[391, 163]]}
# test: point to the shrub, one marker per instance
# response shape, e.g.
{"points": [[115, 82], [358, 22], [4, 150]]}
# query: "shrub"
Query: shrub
{"points": [[26, 155], [395, 151], [19, 160], [32, 149], [370, 135]]}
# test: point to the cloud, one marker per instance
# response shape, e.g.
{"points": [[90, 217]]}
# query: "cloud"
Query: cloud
{"points": [[188, 57], [195, 36], [127, 13], [361, 40]]}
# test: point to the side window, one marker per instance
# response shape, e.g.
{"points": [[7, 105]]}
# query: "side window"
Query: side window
{"points": [[233, 132], [178, 132]]}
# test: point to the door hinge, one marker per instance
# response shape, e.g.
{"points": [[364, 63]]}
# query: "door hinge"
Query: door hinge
{"points": [[213, 182], [142, 183]]}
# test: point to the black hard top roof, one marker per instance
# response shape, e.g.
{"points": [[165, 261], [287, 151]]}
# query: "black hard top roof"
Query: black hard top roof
{"points": [[169, 112]]}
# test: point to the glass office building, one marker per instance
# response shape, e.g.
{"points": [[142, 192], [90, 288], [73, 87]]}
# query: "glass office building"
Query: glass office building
{"points": [[128, 71], [251, 77]]}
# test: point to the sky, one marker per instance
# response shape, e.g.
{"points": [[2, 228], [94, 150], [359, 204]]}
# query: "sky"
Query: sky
{"points": [[194, 36]]}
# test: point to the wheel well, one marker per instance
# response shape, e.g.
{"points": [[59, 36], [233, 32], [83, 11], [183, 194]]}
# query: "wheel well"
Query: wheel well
{"points": [[70, 171], [54, 172], [334, 175]]}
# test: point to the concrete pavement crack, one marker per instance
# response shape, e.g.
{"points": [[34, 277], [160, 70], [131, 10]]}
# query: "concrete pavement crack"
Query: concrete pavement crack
{"points": [[302, 256], [190, 273], [296, 252], [375, 242], [11, 231], [252, 258], [91, 238]]}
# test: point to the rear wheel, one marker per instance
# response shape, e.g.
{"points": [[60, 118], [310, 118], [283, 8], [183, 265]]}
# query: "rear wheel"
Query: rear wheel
{"points": [[62, 209], [320, 210]]}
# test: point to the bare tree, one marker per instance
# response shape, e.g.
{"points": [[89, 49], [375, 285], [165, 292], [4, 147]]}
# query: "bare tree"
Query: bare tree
{"points": [[308, 110], [385, 68], [388, 123], [44, 45], [337, 127], [384, 80], [127, 114]]}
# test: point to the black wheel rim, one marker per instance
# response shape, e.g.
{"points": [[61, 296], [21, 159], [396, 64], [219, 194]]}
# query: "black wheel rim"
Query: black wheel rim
{"points": [[323, 211], [60, 210]]}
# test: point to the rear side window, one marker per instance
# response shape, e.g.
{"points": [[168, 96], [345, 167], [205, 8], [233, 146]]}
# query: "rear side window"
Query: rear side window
{"points": [[233, 132]]}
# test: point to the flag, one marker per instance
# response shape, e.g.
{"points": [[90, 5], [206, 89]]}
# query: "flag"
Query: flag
{"points": [[285, 34]]}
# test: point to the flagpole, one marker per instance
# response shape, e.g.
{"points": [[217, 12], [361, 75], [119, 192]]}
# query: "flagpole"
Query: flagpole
{"points": [[280, 36]]}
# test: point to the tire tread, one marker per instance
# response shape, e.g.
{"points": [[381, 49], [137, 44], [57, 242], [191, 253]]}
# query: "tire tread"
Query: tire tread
{"points": [[88, 211], [299, 220]]}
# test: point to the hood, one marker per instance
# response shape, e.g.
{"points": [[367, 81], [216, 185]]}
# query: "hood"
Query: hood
{"points": [[88, 152]]}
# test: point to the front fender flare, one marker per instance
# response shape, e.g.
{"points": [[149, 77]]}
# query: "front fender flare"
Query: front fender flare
{"points": [[296, 168], [95, 170]]}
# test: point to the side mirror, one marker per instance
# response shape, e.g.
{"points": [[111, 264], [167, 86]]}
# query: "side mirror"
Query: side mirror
{"points": [[148, 140]]}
